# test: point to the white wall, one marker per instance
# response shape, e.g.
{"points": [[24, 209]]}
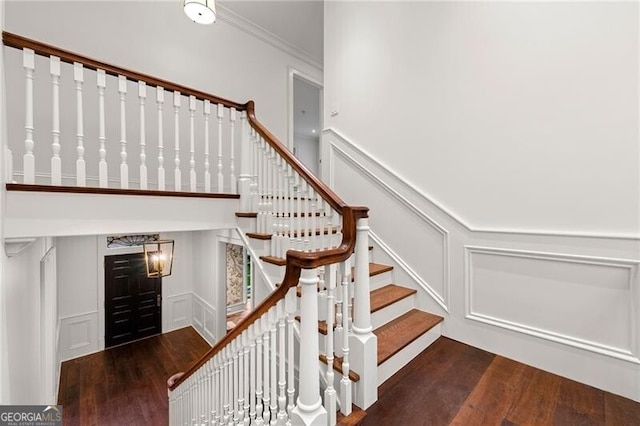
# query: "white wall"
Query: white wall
{"points": [[22, 284], [208, 299], [157, 38], [513, 116]]}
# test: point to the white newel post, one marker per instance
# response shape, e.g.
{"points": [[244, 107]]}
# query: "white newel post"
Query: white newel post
{"points": [[29, 159], [363, 342], [246, 161], [56, 162], [142, 95], [81, 173], [309, 409], [103, 178], [124, 168], [232, 160], [220, 175]]}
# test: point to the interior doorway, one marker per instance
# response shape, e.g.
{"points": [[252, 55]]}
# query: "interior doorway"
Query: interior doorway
{"points": [[133, 302], [306, 121]]}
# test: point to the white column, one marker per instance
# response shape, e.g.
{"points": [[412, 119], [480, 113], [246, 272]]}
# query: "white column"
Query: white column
{"points": [[258, 368], [207, 173], [220, 175], [142, 95], [124, 169], [103, 174], [282, 381], [290, 306], [363, 342], [29, 159], [177, 176], [232, 164], [266, 339], [192, 144], [160, 102], [330, 397], [81, 173], [309, 410], [56, 162]]}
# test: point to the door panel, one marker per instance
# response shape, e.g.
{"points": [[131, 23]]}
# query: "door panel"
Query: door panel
{"points": [[132, 301]]}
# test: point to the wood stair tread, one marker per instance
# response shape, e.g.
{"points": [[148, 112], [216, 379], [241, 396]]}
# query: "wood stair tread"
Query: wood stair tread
{"points": [[247, 214], [258, 236], [337, 366], [388, 295], [400, 332], [374, 269], [353, 419], [274, 260]]}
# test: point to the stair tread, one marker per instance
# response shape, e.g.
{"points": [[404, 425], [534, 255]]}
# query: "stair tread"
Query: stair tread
{"points": [[258, 236], [400, 332], [388, 295], [353, 419], [337, 366], [274, 260], [374, 269], [247, 214]]}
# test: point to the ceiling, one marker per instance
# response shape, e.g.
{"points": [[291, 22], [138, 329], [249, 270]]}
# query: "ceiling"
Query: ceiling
{"points": [[298, 22]]}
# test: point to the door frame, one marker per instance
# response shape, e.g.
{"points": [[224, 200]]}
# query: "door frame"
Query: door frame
{"points": [[301, 75], [49, 327]]}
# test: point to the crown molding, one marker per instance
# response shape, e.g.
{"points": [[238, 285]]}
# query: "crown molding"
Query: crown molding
{"points": [[255, 30]]}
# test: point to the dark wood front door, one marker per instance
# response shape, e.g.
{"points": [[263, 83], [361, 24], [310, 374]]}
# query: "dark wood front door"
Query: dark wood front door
{"points": [[132, 301]]}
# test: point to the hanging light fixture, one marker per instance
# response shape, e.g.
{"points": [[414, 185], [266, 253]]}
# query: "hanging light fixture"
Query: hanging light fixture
{"points": [[158, 257], [201, 11]]}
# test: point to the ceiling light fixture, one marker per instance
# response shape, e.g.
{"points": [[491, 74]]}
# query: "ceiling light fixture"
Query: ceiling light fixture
{"points": [[200, 11]]}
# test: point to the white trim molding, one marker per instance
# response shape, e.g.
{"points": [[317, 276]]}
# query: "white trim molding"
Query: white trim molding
{"points": [[204, 318], [255, 30], [630, 265], [441, 300], [398, 181]]}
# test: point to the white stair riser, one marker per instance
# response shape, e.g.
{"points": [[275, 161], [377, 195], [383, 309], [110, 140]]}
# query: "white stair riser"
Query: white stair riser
{"points": [[247, 224], [392, 311], [402, 358], [381, 280]]}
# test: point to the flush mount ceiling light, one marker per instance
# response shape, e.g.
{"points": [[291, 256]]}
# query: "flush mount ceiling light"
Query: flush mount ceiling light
{"points": [[200, 11]]}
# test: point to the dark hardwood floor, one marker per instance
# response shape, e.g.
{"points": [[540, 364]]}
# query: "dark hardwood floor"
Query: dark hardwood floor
{"points": [[449, 383], [127, 385], [454, 384]]}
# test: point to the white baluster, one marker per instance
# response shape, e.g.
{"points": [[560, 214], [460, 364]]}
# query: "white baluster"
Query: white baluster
{"points": [[235, 382], [177, 175], [207, 173], [160, 103], [124, 169], [309, 409], [29, 159], [247, 376], [242, 372], [9, 166], [220, 176], [282, 383], [217, 390], [330, 402], [258, 387], [232, 166], [142, 95], [266, 339], [290, 306], [56, 162], [273, 320], [103, 174], [246, 165], [192, 144], [81, 173], [345, 383], [254, 188], [253, 335]]}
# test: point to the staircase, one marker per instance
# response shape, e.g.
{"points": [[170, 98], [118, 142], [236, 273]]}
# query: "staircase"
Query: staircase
{"points": [[401, 328]]}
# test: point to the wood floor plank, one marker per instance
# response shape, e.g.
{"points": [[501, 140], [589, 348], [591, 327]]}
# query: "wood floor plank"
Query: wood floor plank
{"points": [[127, 384], [621, 411]]}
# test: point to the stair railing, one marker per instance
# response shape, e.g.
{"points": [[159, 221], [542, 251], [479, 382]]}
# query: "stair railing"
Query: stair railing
{"points": [[159, 135], [249, 376]]}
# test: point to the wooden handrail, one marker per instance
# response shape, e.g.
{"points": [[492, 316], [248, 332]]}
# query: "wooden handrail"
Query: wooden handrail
{"points": [[43, 49]]}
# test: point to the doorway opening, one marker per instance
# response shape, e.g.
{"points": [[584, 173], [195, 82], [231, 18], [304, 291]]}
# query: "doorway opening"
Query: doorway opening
{"points": [[133, 302], [238, 284], [306, 119]]}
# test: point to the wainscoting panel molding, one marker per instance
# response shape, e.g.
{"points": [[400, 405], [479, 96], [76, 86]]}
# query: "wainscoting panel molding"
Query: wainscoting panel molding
{"points": [[204, 318], [581, 301], [176, 311], [78, 335]]}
